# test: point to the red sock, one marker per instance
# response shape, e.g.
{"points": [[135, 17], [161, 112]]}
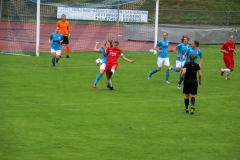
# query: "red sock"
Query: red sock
{"points": [[67, 50]]}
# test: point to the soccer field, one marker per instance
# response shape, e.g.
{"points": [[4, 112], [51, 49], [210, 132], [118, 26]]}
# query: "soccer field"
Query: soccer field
{"points": [[54, 113]]}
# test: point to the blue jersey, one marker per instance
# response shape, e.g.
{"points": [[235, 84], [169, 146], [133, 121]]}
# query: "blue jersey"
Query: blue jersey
{"points": [[163, 45], [56, 38], [182, 48], [196, 52], [104, 58]]}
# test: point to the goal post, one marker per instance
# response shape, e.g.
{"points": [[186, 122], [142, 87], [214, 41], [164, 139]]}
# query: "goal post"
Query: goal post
{"points": [[156, 25], [38, 28]]}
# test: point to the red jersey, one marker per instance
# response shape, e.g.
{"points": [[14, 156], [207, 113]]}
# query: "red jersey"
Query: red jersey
{"points": [[113, 55], [229, 47]]}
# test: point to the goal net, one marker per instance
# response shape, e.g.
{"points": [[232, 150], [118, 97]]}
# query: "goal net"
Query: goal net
{"points": [[129, 21]]}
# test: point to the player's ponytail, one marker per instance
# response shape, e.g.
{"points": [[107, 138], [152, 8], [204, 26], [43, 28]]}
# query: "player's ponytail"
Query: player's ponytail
{"points": [[192, 58]]}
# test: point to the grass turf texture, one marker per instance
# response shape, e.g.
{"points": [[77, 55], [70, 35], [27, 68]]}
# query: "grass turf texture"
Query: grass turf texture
{"points": [[54, 113]]}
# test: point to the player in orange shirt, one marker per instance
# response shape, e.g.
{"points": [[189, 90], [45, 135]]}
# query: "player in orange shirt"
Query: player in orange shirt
{"points": [[65, 31]]}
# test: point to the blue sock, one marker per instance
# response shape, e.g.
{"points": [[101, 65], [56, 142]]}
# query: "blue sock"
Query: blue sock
{"points": [[167, 75], [53, 61], [98, 78], [152, 72], [174, 68]]}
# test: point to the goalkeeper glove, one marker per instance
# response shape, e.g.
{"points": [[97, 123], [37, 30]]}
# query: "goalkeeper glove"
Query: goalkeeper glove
{"points": [[69, 35]]}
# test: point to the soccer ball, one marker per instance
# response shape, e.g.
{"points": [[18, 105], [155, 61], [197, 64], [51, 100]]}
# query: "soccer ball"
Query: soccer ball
{"points": [[151, 51], [99, 62]]}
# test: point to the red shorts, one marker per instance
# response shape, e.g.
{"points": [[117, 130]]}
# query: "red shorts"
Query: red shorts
{"points": [[229, 62], [109, 66]]}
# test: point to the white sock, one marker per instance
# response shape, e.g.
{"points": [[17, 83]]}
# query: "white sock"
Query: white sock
{"points": [[112, 70], [227, 74], [225, 70], [110, 82]]}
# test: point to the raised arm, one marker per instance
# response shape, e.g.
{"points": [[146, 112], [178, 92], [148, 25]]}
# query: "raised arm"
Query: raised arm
{"points": [[95, 49]]}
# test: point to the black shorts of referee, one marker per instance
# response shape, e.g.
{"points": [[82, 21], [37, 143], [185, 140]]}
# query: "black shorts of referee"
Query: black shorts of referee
{"points": [[190, 86], [65, 40]]}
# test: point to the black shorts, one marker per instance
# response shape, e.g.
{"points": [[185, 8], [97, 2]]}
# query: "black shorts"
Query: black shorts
{"points": [[190, 86], [65, 40]]}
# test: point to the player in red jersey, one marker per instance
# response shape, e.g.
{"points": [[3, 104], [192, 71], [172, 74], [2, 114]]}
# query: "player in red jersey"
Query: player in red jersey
{"points": [[112, 64], [228, 48]]}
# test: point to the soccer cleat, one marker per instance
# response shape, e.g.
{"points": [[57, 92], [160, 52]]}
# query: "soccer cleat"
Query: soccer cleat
{"points": [[179, 86], [228, 78], [167, 82], [57, 59], [111, 88], [222, 72], [186, 110], [60, 56], [94, 86], [67, 56], [192, 110], [170, 68]]}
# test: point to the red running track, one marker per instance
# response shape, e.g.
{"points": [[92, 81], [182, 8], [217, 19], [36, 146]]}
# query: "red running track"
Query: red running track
{"points": [[22, 37]]}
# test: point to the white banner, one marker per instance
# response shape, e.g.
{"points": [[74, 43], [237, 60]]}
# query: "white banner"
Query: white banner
{"points": [[103, 14]]}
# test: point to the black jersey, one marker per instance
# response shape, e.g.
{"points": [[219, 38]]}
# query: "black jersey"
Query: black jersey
{"points": [[191, 71]]}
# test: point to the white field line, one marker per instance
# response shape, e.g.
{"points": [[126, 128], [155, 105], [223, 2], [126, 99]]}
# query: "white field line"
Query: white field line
{"points": [[16, 54]]}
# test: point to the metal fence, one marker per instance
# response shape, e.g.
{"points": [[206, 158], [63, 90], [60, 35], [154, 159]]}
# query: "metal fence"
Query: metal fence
{"points": [[194, 17]]}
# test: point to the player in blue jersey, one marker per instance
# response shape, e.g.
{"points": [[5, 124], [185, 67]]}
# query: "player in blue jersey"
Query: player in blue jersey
{"points": [[192, 50], [162, 48], [180, 50], [55, 39], [102, 50]]}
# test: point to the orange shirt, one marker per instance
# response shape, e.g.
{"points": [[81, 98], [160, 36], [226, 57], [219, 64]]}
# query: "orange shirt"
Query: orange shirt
{"points": [[64, 27]]}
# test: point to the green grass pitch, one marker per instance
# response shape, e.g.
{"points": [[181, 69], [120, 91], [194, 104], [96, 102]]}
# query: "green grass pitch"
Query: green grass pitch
{"points": [[54, 113]]}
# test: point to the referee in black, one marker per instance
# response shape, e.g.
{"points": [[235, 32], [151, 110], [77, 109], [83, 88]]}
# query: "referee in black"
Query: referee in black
{"points": [[190, 85]]}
